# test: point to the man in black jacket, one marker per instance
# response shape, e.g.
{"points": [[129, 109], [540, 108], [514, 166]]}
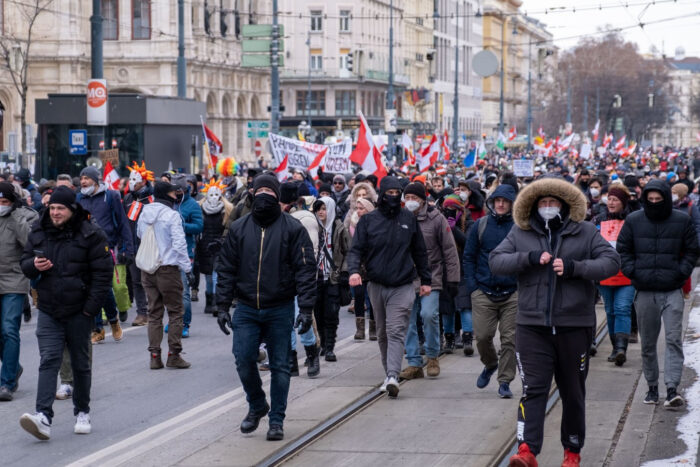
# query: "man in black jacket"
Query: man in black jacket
{"points": [[389, 243], [267, 259], [658, 247], [68, 259]]}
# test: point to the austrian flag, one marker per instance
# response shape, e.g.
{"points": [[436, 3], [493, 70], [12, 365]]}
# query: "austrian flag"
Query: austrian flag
{"points": [[366, 154]]}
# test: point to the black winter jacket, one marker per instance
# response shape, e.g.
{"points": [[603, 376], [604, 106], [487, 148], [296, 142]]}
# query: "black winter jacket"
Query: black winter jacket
{"points": [[82, 269], [658, 255], [266, 267]]}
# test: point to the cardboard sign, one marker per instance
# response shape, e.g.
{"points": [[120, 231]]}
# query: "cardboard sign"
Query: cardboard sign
{"points": [[302, 154], [523, 167], [110, 155]]}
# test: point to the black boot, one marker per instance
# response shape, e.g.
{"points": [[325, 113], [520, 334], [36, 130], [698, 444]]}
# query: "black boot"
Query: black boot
{"points": [[330, 345], [467, 339], [611, 357], [209, 299], [314, 362], [621, 341], [293, 363], [449, 342]]}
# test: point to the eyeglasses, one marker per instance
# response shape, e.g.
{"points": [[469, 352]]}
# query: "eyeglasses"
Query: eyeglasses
{"points": [[338, 183]]}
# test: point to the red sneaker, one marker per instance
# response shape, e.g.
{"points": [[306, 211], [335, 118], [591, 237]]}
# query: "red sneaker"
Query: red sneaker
{"points": [[524, 457], [571, 459]]}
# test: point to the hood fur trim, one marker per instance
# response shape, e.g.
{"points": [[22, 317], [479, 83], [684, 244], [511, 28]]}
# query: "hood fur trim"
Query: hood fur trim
{"points": [[557, 187]]}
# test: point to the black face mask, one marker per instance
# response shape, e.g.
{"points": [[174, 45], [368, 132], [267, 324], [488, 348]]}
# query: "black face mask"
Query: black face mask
{"points": [[655, 211], [179, 197], [265, 210], [390, 205]]}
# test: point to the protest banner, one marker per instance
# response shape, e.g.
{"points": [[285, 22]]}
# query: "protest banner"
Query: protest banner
{"points": [[301, 154], [523, 167]]}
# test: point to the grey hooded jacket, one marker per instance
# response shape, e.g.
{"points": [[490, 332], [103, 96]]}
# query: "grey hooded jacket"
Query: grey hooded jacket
{"points": [[544, 298]]}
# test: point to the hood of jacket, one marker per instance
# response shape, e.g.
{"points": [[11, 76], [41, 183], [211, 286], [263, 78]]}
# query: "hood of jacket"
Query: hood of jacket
{"points": [[151, 212], [665, 190], [330, 213], [501, 191], [367, 187], [79, 215], [557, 187]]}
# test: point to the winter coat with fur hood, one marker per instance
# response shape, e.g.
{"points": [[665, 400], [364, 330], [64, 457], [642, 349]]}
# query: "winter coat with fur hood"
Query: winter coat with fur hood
{"points": [[545, 298]]}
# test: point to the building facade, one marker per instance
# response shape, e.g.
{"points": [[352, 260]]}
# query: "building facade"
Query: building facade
{"points": [[140, 56], [458, 26], [517, 40]]}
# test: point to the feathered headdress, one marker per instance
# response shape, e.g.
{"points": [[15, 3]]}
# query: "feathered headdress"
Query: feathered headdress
{"points": [[145, 174], [214, 184]]}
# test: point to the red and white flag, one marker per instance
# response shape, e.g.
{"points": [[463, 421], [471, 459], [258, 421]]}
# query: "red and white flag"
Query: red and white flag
{"points": [[620, 145], [429, 155], [408, 147], [512, 133], [213, 147], [565, 143], [595, 131], [111, 177], [607, 140], [282, 170], [318, 162], [445, 146], [366, 154]]}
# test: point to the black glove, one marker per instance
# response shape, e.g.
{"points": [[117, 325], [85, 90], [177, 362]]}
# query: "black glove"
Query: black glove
{"points": [[190, 278], [214, 247], [224, 319], [304, 321], [453, 289]]}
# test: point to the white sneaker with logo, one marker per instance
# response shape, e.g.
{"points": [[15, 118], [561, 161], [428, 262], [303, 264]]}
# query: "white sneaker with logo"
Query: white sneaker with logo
{"points": [[65, 391], [36, 424], [82, 424]]}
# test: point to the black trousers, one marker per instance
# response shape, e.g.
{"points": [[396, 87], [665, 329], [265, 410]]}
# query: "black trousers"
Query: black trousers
{"points": [[360, 292], [542, 354], [326, 313], [53, 335]]}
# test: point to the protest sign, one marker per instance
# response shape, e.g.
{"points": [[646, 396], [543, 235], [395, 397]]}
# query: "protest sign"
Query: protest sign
{"points": [[523, 167], [301, 154]]}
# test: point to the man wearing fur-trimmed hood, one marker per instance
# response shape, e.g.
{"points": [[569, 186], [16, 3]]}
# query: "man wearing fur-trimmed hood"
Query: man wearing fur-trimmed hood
{"points": [[557, 258]]}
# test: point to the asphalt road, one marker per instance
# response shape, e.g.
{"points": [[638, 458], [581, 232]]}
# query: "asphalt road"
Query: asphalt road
{"points": [[127, 397]]}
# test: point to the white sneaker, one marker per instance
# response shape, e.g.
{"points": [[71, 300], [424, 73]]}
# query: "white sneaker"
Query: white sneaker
{"points": [[382, 388], [36, 424], [65, 391], [82, 424], [392, 387]]}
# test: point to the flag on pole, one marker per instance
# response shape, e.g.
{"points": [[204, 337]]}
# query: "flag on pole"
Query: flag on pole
{"points": [[212, 147], [607, 140], [408, 147], [619, 146], [481, 150], [470, 158], [366, 154], [445, 146], [429, 155], [595, 131], [282, 170], [318, 162], [512, 133], [111, 177], [500, 142]]}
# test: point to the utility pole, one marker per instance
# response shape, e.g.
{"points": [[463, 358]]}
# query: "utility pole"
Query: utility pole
{"points": [[568, 96], [597, 104], [585, 112], [455, 101], [308, 89], [529, 93], [96, 40], [503, 78], [390, 91], [274, 72], [181, 63]]}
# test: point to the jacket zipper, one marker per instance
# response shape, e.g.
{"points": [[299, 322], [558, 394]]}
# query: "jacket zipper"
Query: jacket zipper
{"points": [[553, 281], [262, 238]]}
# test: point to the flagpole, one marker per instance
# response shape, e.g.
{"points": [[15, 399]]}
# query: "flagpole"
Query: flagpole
{"points": [[206, 145]]}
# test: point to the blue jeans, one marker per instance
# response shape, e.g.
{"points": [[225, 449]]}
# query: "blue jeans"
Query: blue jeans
{"points": [[186, 300], [308, 338], [618, 307], [428, 307], [273, 326], [11, 306], [211, 282], [110, 308], [448, 322]]}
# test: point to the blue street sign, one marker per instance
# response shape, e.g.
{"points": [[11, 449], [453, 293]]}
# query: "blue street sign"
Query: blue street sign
{"points": [[78, 142]]}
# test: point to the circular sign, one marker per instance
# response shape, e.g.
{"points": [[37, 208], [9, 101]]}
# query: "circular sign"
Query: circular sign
{"points": [[96, 94], [258, 148], [485, 63]]}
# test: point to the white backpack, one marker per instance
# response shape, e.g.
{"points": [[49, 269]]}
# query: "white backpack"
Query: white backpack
{"points": [[148, 256]]}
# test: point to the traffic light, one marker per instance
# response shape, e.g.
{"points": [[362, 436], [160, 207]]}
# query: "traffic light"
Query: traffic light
{"points": [[349, 61]]}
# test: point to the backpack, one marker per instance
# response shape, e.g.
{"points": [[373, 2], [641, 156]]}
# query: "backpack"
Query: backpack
{"points": [[481, 227], [148, 256]]}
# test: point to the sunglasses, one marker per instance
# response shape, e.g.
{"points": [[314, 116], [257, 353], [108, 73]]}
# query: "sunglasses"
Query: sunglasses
{"points": [[338, 183]]}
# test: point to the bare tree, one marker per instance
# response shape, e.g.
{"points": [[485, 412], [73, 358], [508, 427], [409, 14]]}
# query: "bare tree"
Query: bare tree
{"points": [[15, 44]]}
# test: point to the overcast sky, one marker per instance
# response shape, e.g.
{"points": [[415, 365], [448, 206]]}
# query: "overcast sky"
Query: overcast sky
{"points": [[683, 31]]}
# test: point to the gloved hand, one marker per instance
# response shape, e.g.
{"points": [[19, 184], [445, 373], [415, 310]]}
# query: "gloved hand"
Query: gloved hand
{"points": [[224, 319], [304, 321], [451, 221], [453, 289], [214, 247], [190, 277]]}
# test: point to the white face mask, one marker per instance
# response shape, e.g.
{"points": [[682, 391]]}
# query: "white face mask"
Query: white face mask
{"points": [[549, 212], [87, 191], [134, 179], [5, 210], [674, 197], [412, 205], [463, 195], [604, 200], [595, 192]]}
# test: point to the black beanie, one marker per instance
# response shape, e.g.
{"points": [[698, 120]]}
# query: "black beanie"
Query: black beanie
{"points": [[325, 187], [288, 192], [7, 191], [267, 181], [161, 189], [65, 196], [415, 188]]}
